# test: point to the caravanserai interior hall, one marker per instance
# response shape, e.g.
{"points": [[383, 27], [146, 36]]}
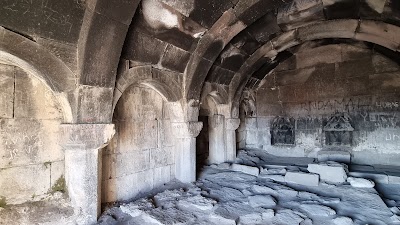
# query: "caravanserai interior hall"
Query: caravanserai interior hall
{"points": [[199, 112]]}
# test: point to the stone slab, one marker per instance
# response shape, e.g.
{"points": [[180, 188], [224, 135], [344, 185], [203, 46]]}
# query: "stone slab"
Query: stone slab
{"points": [[306, 179], [245, 169], [360, 182], [329, 172]]}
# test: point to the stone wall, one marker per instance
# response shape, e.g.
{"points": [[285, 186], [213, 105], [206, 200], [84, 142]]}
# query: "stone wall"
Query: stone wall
{"points": [[319, 82], [141, 154], [31, 161]]}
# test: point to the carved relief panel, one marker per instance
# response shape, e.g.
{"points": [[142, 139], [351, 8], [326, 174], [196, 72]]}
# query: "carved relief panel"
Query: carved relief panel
{"points": [[338, 130], [282, 131]]}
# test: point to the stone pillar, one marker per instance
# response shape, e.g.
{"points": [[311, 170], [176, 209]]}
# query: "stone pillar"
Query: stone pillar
{"points": [[231, 126], [217, 141], [185, 150], [82, 144]]}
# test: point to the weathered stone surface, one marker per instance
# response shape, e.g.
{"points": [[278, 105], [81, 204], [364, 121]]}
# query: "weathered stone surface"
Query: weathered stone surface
{"points": [[317, 210], [379, 33], [175, 59], [121, 11], [245, 169], [302, 178], [94, 51], [360, 182], [33, 99], [330, 172], [53, 19], [332, 155], [265, 201], [35, 180], [7, 80], [94, 104], [298, 13], [36, 59], [85, 136]]}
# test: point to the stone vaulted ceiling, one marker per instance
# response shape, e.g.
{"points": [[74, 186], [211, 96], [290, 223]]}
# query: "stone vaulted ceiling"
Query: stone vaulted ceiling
{"points": [[183, 49]]}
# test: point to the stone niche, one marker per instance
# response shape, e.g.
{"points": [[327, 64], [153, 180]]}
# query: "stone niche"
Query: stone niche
{"points": [[140, 157], [31, 161], [282, 131], [338, 130]]}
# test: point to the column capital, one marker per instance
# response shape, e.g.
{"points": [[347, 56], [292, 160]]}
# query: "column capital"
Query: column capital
{"points": [[232, 123], [85, 136], [187, 129]]}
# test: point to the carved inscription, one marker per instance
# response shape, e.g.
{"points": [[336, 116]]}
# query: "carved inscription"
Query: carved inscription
{"points": [[21, 140]]}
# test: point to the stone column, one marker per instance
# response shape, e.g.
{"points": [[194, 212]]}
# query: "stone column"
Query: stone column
{"points": [[82, 144], [231, 126], [216, 136], [185, 150]]}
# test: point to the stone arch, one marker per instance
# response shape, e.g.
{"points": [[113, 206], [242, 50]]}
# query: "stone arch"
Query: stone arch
{"points": [[19, 51], [376, 32], [101, 40], [231, 23], [158, 80]]}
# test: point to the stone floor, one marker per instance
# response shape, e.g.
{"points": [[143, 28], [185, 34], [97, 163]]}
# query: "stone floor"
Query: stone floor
{"points": [[257, 190]]}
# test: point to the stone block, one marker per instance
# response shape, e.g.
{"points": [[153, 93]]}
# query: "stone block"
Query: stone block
{"points": [[19, 184], [249, 219], [124, 165], [265, 201], [374, 176], [57, 172], [127, 187], [245, 169], [382, 34], [143, 48], [121, 11], [251, 123], [251, 137], [319, 55], [302, 178], [328, 29], [317, 210], [91, 56], [161, 157], [65, 52], [382, 64], [278, 178], [109, 166], [360, 182], [29, 141], [162, 175], [33, 99], [334, 155], [394, 179], [175, 59], [95, 104], [329, 172], [6, 91]]}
